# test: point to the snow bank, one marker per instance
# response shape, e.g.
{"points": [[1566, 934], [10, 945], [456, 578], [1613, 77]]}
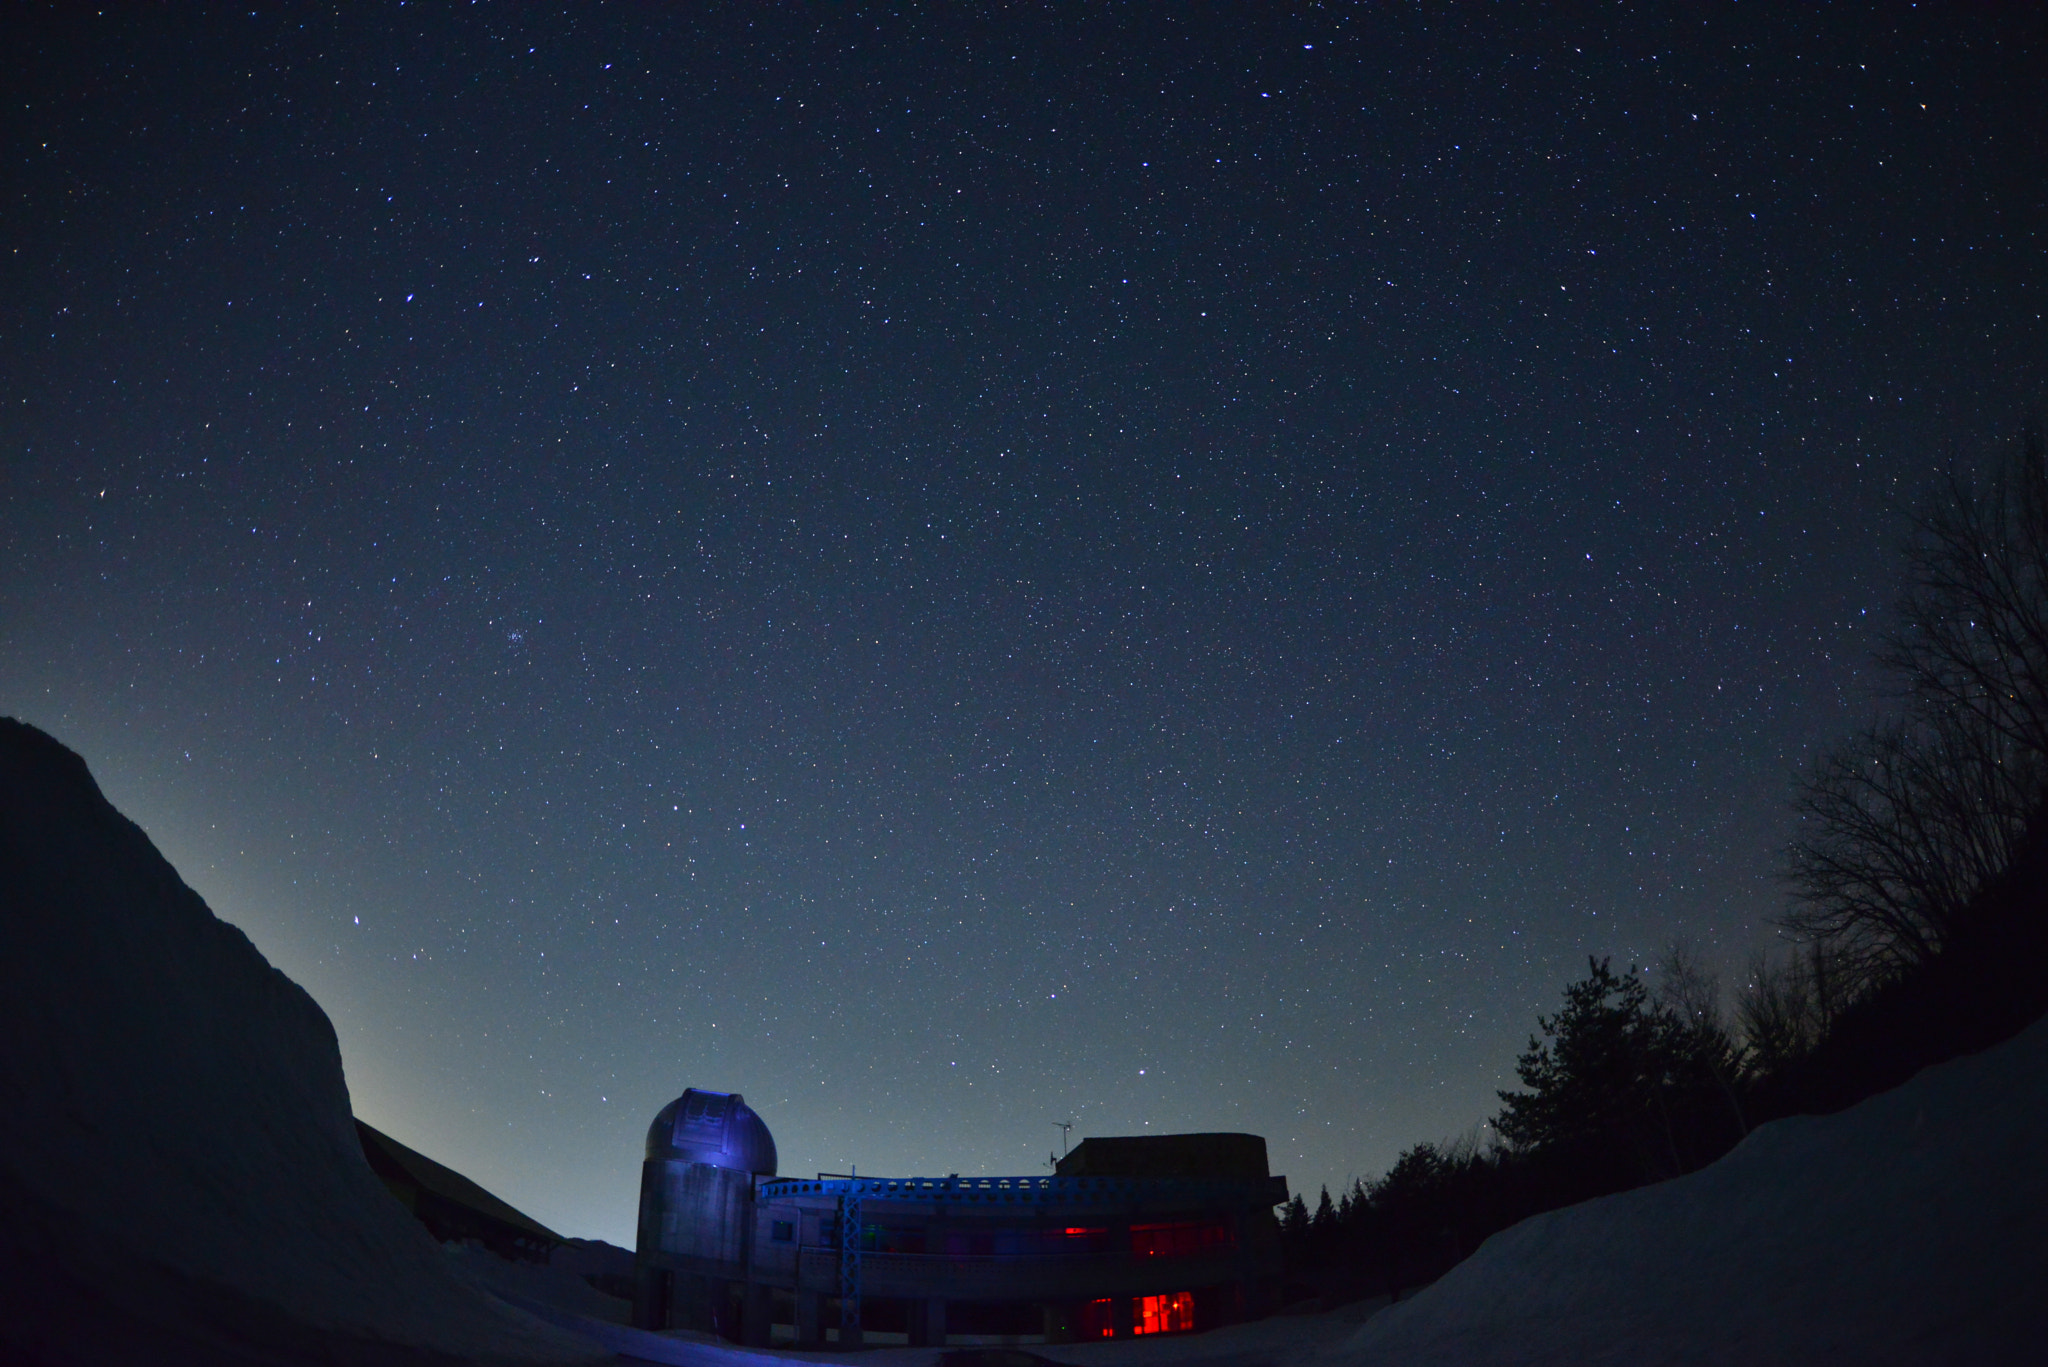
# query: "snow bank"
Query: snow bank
{"points": [[592, 1258], [1912, 1228], [180, 1182], [545, 1284], [180, 1179]]}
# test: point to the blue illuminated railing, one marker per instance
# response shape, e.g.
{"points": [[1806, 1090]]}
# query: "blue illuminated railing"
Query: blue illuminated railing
{"points": [[1002, 1190]]}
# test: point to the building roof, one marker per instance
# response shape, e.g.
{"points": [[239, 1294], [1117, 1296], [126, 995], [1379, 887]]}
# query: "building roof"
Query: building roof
{"points": [[1222, 1155], [718, 1128]]}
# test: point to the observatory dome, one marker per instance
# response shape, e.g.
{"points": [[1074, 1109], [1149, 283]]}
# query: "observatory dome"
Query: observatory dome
{"points": [[718, 1128]]}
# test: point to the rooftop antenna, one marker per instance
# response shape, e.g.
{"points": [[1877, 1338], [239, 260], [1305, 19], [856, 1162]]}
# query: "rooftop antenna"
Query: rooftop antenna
{"points": [[1063, 1126]]}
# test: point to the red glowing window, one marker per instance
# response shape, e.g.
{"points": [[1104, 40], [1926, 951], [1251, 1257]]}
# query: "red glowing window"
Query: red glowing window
{"points": [[1167, 1241], [1096, 1321], [1080, 1239], [1172, 1313]]}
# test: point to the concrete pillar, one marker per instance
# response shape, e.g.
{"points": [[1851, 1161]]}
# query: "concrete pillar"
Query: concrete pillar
{"points": [[693, 1302], [1122, 1309], [650, 1298], [849, 1336], [758, 1309], [928, 1324], [810, 1316]]}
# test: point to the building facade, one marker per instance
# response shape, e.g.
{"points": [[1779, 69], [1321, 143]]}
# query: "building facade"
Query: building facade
{"points": [[1128, 1236]]}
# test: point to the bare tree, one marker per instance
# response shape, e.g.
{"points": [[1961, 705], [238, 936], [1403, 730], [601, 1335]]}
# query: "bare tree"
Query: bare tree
{"points": [[1906, 821], [1902, 825], [1690, 993], [1972, 638], [1687, 987], [1779, 1011]]}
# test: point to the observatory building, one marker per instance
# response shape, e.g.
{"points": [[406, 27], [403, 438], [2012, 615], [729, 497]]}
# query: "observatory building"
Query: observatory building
{"points": [[1129, 1236]]}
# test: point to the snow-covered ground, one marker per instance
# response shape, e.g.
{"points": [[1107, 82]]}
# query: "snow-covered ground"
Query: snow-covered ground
{"points": [[1910, 1229], [180, 1179], [180, 1182], [538, 1282], [1284, 1339]]}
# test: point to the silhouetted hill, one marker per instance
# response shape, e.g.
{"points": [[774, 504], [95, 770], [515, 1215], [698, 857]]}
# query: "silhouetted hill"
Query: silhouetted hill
{"points": [[180, 1175]]}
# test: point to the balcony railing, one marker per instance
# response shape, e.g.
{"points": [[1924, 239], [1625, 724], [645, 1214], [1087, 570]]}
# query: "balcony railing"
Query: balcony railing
{"points": [[1074, 1191]]}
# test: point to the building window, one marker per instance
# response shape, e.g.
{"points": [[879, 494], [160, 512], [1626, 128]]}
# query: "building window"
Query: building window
{"points": [[900, 1239], [782, 1231], [1168, 1241], [1172, 1313]]}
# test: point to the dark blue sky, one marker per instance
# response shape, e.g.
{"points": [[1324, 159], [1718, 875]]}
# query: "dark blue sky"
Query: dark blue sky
{"points": [[1164, 568]]}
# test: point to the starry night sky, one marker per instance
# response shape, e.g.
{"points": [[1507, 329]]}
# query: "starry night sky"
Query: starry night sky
{"points": [[1168, 568]]}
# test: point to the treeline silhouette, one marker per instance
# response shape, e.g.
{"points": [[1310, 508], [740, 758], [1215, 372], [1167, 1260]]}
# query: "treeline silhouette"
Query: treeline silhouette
{"points": [[1918, 931]]}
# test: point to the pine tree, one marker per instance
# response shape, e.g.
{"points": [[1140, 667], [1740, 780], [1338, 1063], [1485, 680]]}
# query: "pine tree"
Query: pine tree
{"points": [[1294, 1222], [1597, 1088]]}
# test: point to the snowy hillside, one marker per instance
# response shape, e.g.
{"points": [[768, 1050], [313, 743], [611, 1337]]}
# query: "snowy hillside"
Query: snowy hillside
{"points": [[1912, 1228], [180, 1180]]}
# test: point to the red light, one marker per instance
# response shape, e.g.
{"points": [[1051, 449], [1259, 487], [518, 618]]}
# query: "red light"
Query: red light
{"points": [[1172, 1313]]}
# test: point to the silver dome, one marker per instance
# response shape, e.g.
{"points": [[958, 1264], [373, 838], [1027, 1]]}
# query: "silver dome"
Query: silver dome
{"points": [[718, 1128]]}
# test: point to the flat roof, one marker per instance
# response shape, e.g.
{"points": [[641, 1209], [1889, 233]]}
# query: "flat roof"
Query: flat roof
{"points": [[1220, 1155]]}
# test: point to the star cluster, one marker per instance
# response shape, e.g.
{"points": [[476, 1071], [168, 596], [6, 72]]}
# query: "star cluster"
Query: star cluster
{"points": [[952, 572]]}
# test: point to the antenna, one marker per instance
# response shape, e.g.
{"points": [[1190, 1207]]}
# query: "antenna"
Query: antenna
{"points": [[1063, 1126]]}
